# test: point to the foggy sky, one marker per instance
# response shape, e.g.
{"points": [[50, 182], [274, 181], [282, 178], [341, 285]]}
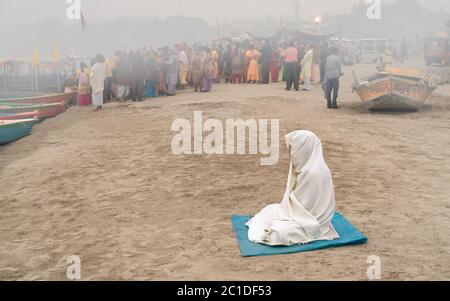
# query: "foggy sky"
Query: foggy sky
{"points": [[30, 24], [28, 11]]}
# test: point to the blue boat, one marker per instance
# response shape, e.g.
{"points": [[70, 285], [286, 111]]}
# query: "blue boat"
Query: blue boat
{"points": [[12, 130]]}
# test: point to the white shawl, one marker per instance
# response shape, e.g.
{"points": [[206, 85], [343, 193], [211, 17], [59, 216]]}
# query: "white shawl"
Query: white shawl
{"points": [[308, 205]]}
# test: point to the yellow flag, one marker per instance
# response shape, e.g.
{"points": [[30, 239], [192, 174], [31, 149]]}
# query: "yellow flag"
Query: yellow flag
{"points": [[56, 54], [35, 61]]}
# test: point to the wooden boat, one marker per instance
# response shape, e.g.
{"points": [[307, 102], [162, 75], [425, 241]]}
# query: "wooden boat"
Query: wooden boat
{"points": [[41, 99], [44, 110], [15, 116], [12, 130], [398, 91]]}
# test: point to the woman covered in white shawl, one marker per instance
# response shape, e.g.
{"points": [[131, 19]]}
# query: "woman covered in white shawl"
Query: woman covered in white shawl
{"points": [[308, 205]]}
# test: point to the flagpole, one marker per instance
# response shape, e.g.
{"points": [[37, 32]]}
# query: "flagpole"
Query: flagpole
{"points": [[218, 29], [36, 78]]}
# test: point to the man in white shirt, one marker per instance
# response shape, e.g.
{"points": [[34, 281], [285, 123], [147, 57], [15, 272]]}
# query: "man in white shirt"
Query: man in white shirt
{"points": [[98, 76]]}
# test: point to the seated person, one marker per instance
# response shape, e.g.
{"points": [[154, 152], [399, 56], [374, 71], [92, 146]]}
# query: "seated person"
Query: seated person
{"points": [[308, 205]]}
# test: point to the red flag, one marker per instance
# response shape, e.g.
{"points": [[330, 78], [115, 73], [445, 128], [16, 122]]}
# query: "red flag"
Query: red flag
{"points": [[83, 22]]}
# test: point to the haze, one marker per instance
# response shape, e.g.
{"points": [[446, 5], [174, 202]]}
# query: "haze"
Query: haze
{"points": [[14, 11], [119, 24]]}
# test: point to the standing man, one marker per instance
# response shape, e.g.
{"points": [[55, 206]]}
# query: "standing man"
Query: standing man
{"points": [[266, 58], [98, 77], [137, 76], [333, 72], [291, 61]]}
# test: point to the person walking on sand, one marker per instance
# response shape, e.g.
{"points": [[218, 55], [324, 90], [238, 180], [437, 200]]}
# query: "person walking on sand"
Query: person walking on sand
{"points": [[98, 77], [333, 72]]}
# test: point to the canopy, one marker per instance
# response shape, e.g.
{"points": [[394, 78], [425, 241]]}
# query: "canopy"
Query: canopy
{"points": [[313, 36]]}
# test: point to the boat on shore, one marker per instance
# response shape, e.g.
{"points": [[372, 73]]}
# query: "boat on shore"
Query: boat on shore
{"points": [[12, 130], [15, 116], [40, 99], [396, 90], [44, 110]]}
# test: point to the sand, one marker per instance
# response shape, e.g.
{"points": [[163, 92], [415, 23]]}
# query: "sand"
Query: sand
{"points": [[106, 187]]}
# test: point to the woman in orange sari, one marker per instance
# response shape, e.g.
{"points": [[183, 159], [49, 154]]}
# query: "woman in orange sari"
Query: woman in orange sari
{"points": [[253, 56], [214, 55]]}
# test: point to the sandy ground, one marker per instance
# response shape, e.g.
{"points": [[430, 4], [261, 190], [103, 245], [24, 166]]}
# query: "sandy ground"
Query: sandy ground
{"points": [[106, 187]]}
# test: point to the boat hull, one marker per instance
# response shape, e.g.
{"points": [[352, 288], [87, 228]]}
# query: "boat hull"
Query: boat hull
{"points": [[44, 110], [41, 99], [394, 93], [15, 129], [15, 116]]}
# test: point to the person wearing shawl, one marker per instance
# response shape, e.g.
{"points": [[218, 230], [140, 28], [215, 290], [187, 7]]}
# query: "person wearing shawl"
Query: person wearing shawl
{"points": [[183, 66], [308, 205], [253, 56], [307, 66], [197, 69], [214, 56], [172, 73], [152, 77], [209, 72], [237, 65]]}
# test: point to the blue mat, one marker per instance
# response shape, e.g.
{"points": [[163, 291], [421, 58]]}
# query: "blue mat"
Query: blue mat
{"points": [[349, 235]]}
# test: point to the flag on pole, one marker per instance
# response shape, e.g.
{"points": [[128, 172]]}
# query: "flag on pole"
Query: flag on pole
{"points": [[83, 22], [35, 60]]}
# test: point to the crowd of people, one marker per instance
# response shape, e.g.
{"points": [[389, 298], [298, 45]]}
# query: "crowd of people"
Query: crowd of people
{"points": [[143, 73]]}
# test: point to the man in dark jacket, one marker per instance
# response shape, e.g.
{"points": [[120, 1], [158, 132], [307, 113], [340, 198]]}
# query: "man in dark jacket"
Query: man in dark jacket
{"points": [[333, 72], [137, 76], [266, 58]]}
